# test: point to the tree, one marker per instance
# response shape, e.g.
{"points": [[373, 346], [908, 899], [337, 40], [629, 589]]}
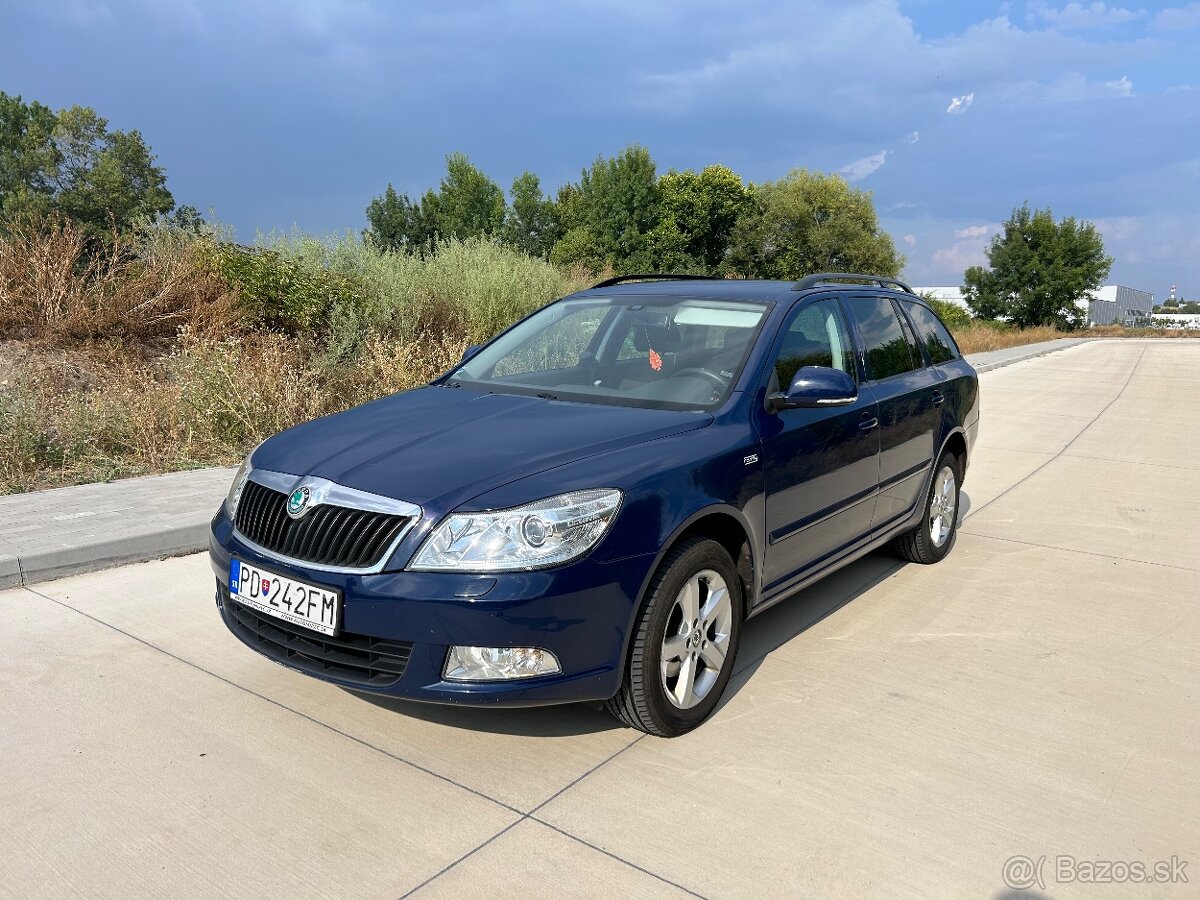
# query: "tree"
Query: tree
{"points": [[531, 223], [609, 215], [808, 222], [399, 224], [185, 218], [469, 203], [704, 208], [70, 163], [391, 220], [1039, 271], [105, 179], [26, 154]]}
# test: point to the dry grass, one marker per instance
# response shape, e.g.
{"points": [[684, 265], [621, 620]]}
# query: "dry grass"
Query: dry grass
{"points": [[59, 286], [978, 338], [97, 413], [1120, 331]]}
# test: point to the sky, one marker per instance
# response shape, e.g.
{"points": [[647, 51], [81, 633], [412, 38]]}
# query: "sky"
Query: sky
{"points": [[277, 114]]}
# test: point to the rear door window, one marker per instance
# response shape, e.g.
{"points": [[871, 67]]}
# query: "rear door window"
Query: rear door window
{"points": [[932, 333], [887, 344]]}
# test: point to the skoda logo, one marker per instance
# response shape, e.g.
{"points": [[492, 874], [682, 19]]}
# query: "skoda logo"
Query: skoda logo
{"points": [[298, 502]]}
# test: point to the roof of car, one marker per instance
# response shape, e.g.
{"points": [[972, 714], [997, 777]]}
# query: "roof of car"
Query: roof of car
{"points": [[737, 288], [729, 288]]}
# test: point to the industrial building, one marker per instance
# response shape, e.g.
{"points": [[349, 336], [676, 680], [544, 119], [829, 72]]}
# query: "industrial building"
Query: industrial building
{"points": [[1112, 303], [1115, 303]]}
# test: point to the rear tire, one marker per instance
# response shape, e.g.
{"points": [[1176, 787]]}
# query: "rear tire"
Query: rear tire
{"points": [[684, 642], [930, 541]]}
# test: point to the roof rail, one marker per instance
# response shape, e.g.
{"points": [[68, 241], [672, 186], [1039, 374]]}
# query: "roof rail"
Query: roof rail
{"points": [[621, 279], [825, 277]]}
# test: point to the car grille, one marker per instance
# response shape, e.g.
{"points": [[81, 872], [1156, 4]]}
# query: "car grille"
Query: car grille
{"points": [[355, 658], [327, 535]]}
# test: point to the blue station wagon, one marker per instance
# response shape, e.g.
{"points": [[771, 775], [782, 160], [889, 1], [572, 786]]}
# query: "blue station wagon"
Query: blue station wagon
{"points": [[590, 506]]}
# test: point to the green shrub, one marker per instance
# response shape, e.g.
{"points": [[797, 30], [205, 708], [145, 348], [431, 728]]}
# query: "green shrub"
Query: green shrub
{"points": [[951, 313], [471, 288], [279, 293]]}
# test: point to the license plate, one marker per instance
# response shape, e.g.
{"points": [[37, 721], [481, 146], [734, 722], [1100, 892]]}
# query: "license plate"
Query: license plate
{"points": [[292, 601]]}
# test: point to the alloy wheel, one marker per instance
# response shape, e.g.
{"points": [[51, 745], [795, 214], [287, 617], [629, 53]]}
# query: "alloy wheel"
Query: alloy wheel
{"points": [[696, 639], [943, 506]]}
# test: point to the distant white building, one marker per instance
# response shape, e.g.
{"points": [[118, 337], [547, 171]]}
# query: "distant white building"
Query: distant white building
{"points": [[949, 294], [1177, 320]]}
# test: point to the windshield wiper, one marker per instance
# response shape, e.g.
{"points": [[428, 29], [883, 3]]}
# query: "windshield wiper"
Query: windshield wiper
{"points": [[548, 396]]}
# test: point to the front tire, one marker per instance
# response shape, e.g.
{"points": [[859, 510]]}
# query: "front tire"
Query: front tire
{"points": [[684, 643], [930, 541]]}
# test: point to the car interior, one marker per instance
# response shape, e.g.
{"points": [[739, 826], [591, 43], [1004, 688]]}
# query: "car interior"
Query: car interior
{"points": [[677, 354]]}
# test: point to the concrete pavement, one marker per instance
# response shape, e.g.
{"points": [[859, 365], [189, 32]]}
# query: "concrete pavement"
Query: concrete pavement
{"points": [[894, 731], [51, 534]]}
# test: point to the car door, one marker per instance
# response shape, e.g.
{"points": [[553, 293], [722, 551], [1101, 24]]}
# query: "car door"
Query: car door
{"points": [[820, 466], [909, 402]]}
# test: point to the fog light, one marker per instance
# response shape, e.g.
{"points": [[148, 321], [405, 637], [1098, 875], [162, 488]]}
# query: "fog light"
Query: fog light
{"points": [[498, 663]]}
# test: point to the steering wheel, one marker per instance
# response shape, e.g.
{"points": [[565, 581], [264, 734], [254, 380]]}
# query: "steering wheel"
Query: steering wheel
{"points": [[718, 382]]}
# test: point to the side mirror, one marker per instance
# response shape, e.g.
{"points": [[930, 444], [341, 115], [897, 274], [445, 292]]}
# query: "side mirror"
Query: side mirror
{"points": [[815, 387], [471, 350]]}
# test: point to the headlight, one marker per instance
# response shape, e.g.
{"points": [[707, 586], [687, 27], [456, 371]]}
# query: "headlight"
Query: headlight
{"points": [[540, 534], [239, 484]]}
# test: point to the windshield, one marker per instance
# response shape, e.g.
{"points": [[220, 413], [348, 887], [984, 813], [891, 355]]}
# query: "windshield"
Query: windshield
{"points": [[639, 351]]}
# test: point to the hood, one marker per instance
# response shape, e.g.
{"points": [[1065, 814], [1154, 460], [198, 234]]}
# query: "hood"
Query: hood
{"points": [[438, 442]]}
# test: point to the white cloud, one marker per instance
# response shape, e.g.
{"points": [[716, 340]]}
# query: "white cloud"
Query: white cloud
{"points": [[1179, 18], [972, 231], [960, 256], [1122, 87], [1080, 15], [1118, 228], [958, 105], [969, 249], [861, 168], [914, 137], [910, 239]]}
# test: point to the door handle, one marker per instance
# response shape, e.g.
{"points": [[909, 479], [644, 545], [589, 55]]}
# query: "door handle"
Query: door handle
{"points": [[938, 398], [867, 422]]}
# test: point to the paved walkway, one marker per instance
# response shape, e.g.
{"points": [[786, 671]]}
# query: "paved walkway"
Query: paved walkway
{"points": [[67, 531], [895, 731], [48, 534]]}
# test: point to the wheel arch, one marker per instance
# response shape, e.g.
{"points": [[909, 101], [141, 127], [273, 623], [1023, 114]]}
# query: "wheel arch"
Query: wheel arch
{"points": [[729, 527], [956, 443]]}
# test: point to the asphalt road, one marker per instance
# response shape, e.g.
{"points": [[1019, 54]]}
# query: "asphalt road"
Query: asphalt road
{"points": [[896, 731]]}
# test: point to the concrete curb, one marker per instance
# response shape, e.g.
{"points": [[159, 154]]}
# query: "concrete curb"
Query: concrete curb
{"points": [[186, 530], [107, 554], [996, 359], [10, 572]]}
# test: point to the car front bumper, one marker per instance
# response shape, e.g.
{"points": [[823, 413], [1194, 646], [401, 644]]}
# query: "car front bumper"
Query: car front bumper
{"points": [[581, 612]]}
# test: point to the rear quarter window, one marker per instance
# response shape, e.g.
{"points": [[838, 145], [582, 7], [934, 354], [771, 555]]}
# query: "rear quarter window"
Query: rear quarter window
{"points": [[887, 345], [936, 338]]}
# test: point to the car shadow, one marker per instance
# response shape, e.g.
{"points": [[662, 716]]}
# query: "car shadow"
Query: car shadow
{"points": [[562, 720], [761, 636], [790, 618]]}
